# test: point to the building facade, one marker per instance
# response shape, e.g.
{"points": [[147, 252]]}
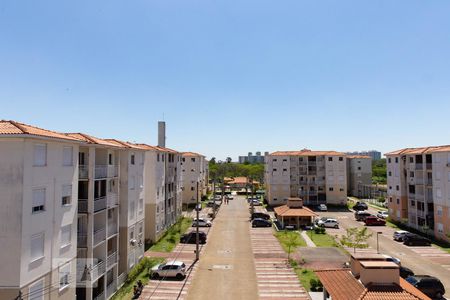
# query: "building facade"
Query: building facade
{"points": [[419, 188], [38, 212], [359, 174], [194, 170], [253, 159], [374, 154], [317, 177]]}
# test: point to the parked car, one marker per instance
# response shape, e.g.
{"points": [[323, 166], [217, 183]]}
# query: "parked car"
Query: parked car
{"points": [[360, 206], [329, 223], [429, 285], [173, 268], [229, 197], [316, 221], [261, 223], [392, 259], [198, 207], [191, 237], [322, 207], [412, 239], [382, 214], [405, 272], [255, 202], [374, 221], [362, 215], [260, 215], [399, 235], [201, 223]]}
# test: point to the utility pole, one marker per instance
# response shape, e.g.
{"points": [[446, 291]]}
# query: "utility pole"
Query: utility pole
{"points": [[197, 231], [251, 202]]}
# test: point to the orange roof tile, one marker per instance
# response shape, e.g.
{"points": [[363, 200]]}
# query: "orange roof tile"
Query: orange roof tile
{"points": [[307, 152], [358, 157], [126, 144], [420, 150], [93, 140], [16, 128], [238, 180], [189, 154], [286, 211]]}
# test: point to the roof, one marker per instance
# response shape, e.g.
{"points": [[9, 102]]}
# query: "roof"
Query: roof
{"points": [[191, 154], [307, 152], [420, 150], [238, 180], [126, 144], [367, 264], [342, 285], [25, 130], [286, 211], [359, 157], [93, 140]]}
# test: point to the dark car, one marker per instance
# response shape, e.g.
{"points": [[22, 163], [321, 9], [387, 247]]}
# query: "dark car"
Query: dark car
{"points": [[430, 286], [405, 272], [374, 221], [261, 223], [412, 239], [362, 215], [190, 238], [360, 206], [260, 215]]}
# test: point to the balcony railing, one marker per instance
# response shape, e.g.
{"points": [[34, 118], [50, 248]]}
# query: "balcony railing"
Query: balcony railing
{"points": [[99, 204], [111, 260], [420, 213], [82, 206], [429, 181], [98, 270], [429, 166], [419, 180], [101, 171], [99, 236], [419, 166], [81, 240], [111, 289], [83, 172], [411, 196], [113, 171], [112, 229], [121, 279], [100, 296], [112, 200]]}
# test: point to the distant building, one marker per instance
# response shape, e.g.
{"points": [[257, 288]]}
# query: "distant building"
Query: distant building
{"points": [[359, 174], [374, 154], [194, 168], [253, 159]]}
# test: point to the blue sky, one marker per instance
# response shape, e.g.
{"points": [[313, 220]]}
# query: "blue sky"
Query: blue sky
{"points": [[231, 76]]}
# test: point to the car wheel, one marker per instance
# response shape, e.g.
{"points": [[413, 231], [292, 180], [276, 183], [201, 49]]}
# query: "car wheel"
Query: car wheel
{"points": [[155, 275], [337, 226], [179, 276]]}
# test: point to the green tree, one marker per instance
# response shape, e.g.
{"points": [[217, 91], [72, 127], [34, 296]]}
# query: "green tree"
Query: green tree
{"points": [[379, 171], [356, 238]]}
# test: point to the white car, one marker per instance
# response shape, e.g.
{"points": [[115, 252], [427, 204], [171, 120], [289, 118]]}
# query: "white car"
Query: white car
{"points": [[322, 207], [329, 223], [172, 268], [201, 223], [392, 259], [382, 214], [399, 235], [229, 197], [255, 202]]}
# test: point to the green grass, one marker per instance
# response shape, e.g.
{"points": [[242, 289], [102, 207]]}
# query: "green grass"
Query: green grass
{"points": [[141, 273], [322, 240], [304, 275], [286, 237], [172, 236]]}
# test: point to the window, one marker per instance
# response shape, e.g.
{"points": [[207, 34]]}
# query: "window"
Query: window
{"points": [[341, 158], [274, 170], [440, 227], [398, 201], [38, 200], [66, 235], [274, 160], [396, 160], [284, 170], [67, 156], [66, 195], [132, 159], [411, 159], [359, 168], [413, 203], [389, 160], [64, 276], [110, 159], [40, 155], [131, 212], [390, 199], [330, 189], [157, 157], [439, 211], [141, 206], [132, 182], [397, 188], [341, 190], [389, 173], [193, 159], [330, 159], [36, 291], [192, 188], [275, 199], [37, 246]]}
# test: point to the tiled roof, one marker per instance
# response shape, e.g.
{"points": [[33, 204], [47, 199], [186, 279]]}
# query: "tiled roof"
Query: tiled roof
{"points": [[307, 152], [190, 154], [20, 129], [164, 149], [420, 150], [93, 140], [126, 144], [286, 211], [238, 180], [359, 156], [342, 285]]}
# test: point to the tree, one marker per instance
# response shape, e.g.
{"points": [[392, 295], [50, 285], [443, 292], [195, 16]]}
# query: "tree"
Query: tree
{"points": [[292, 242], [228, 160], [356, 238], [212, 161]]}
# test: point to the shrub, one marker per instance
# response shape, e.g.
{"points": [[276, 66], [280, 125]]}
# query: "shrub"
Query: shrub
{"points": [[319, 230], [316, 285]]}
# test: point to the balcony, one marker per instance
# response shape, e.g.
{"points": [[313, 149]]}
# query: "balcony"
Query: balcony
{"points": [[100, 296], [113, 171], [111, 289], [83, 172], [99, 236], [81, 240], [98, 270], [429, 166], [82, 206], [429, 181], [419, 180], [111, 260], [121, 279], [420, 213], [101, 171], [411, 196], [112, 200], [99, 204], [419, 166], [311, 163], [112, 229]]}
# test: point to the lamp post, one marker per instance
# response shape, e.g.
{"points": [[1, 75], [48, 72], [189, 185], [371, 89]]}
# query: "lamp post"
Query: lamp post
{"points": [[378, 247], [197, 231]]}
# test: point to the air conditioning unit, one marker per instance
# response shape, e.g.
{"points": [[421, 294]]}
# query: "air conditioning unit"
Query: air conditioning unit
{"points": [[133, 242]]}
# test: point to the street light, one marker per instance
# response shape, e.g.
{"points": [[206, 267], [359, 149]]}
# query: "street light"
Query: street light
{"points": [[378, 248]]}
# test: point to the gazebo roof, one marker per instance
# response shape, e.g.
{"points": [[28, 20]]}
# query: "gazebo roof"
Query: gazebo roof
{"points": [[286, 211]]}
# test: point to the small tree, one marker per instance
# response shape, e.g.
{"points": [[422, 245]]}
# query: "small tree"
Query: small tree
{"points": [[356, 238], [292, 242]]}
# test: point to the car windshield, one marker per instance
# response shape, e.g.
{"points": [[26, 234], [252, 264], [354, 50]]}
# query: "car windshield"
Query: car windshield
{"points": [[412, 280]]}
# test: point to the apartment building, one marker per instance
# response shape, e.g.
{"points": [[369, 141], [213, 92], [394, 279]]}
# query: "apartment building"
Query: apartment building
{"points": [[253, 159], [374, 154], [38, 212], [419, 188], [194, 169], [359, 174], [315, 176]]}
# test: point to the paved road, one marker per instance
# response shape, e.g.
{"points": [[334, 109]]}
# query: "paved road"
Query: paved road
{"points": [[422, 260], [227, 269]]}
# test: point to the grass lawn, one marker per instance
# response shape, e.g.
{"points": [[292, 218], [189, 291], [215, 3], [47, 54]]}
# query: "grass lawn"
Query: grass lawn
{"points": [[304, 275], [172, 236], [126, 291], [322, 240], [290, 237]]}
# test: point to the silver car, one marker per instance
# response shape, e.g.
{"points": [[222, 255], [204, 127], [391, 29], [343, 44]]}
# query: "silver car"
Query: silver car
{"points": [[399, 235], [172, 268]]}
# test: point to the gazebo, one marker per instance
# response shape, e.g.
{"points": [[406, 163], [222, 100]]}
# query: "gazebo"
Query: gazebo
{"points": [[294, 214]]}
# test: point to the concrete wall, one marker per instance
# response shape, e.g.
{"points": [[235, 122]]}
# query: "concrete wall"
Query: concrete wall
{"points": [[359, 172]]}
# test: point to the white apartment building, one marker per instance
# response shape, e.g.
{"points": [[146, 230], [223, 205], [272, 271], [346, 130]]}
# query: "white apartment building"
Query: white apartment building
{"points": [[194, 169], [38, 211], [419, 188], [359, 174], [315, 176]]}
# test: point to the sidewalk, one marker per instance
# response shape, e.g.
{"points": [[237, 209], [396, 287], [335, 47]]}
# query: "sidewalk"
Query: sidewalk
{"points": [[309, 242]]}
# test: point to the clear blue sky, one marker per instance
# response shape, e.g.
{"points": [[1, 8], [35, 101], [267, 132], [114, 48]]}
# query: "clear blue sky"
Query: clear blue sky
{"points": [[231, 76]]}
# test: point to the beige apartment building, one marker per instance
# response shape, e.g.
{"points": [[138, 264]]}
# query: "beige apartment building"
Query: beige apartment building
{"points": [[419, 188], [359, 174], [38, 212], [194, 169], [317, 177]]}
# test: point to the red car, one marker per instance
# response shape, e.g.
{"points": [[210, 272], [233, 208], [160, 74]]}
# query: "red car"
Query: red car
{"points": [[374, 221]]}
